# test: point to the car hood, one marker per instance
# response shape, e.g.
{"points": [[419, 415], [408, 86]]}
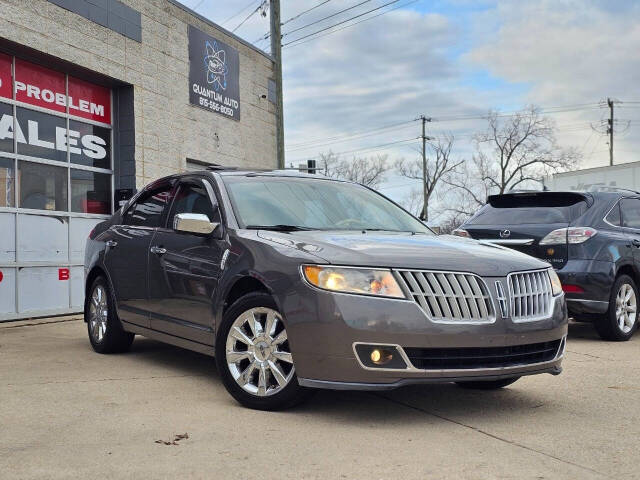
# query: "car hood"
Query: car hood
{"points": [[405, 250]]}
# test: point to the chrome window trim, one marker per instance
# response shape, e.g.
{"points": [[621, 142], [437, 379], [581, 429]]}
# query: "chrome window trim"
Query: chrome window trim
{"points": [[604, 219]]}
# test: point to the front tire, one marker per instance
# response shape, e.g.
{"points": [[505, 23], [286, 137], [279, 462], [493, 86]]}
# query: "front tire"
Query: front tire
{"points": [[620, 321], [253, 355], [487, 384], [103, 326]]}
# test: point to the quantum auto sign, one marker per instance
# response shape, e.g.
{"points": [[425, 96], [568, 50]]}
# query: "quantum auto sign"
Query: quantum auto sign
{"points": [[214, 75]]}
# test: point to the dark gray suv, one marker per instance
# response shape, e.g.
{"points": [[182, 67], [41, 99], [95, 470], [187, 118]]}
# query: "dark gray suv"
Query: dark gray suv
{"points": [[295, 281]]}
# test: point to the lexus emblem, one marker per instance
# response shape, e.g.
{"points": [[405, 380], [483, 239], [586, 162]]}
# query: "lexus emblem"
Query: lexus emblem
{"points": [[505, 233]]}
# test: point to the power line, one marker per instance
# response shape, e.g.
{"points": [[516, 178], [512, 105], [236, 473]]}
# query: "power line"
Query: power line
{"points": [[340, 23], [195, 7], [349, 139], [268, 34], [249, 16], [295, 43], [325, 18], [239, 12], [362, 149]]}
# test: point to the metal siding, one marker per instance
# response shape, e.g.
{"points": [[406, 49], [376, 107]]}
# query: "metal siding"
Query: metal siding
{"points": [[7, 238], [8, 291], [79, 229], [43, 239], [77, 288], [41, 290]]}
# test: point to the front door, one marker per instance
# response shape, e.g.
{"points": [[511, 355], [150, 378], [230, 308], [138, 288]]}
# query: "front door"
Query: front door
{"points": [[184, 268], [127, 251]]}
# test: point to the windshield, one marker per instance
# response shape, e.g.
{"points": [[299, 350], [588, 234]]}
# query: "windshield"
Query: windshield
{"points": [[315, 204]]}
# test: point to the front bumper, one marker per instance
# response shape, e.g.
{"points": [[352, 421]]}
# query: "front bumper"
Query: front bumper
{"points": [[323, 328], [595, 277]]}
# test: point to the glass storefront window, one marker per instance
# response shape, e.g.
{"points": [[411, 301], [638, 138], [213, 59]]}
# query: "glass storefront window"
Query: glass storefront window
{"points": [[41, 135], [90, 192], [6, 128], [42, 187], [93, 144], [7, 182]]}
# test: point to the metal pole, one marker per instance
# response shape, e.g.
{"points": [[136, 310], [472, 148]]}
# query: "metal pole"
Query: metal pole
{"points": [[276, 52], [610, 103]]}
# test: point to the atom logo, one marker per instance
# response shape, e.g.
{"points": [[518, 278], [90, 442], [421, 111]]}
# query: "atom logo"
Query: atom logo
{"points": [[214, 62]]}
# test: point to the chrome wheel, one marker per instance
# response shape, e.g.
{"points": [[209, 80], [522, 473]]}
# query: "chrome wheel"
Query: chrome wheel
{"points": [[98, 313], [258, 354], [626, 308]]}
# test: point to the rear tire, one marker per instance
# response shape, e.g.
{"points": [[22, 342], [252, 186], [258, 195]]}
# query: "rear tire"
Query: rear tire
{"points": [[253, 355], [103, 325], [620, 321], [487, 384]]}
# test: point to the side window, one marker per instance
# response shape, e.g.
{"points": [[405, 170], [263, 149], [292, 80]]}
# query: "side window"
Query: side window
{"points": [[193, 198], [630, 209], [147, 211], [614, 216]]}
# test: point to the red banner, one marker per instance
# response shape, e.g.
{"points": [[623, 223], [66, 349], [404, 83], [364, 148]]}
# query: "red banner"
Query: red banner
{"points": [[40, 86], [5, 76], [46, 88], [89, 101]]}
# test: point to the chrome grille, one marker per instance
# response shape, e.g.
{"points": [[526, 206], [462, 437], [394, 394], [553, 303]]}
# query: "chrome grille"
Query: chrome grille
{"points": [[449, 297], [530, 295]]}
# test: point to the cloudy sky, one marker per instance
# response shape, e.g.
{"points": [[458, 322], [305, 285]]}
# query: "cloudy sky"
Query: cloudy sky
{"points": [[449, 60]]}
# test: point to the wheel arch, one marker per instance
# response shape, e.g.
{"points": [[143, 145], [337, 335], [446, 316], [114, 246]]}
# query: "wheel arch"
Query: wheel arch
{"points": [[629, 270]]}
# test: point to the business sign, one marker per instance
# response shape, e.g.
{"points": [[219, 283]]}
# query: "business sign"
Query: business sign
{"points": [[45, 88], [214, 74]]}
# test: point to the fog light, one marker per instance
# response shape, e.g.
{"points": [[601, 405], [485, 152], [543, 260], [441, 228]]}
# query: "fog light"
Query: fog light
{"points": [[381, 357]]}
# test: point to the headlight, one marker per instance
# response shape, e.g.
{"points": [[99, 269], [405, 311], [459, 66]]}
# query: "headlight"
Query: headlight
{"points": [[353, 280], [556, 286]]}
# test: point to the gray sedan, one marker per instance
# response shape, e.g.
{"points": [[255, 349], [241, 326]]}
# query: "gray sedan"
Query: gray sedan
{"points": [[295, 282]]}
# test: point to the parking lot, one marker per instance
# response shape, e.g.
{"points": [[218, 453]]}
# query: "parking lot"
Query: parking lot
{"points": [[68, 412]]}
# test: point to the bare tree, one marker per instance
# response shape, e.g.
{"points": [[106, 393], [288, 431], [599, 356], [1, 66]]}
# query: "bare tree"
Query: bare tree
{"points": [[516, 151], [370, 171], [439, 165]]}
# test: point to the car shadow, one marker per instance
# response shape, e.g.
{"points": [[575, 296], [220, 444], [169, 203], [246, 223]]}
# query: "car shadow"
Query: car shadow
{"points": [[431, 403], [582, 331]]}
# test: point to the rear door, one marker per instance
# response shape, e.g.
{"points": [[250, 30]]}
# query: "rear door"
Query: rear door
{"points": [[630, 213], [184, 268], [521, 220], [127, 252]]}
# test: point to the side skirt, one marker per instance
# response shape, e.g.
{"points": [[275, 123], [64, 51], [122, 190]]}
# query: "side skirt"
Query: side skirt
{"points": [[170, 339]]}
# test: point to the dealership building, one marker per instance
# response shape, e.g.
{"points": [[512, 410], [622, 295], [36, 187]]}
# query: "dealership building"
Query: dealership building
{"points": [[97, 99]]}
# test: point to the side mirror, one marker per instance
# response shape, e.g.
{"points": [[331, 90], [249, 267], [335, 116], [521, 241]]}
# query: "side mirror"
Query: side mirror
{"points": [[193, 223]]}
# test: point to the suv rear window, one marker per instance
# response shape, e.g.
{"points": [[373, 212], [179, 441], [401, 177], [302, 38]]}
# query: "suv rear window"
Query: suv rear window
{"points": [[535, 208]]}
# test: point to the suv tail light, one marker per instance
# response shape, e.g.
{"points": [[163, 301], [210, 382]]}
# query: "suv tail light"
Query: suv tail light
{"points": [[461, 232], [568, 235]]}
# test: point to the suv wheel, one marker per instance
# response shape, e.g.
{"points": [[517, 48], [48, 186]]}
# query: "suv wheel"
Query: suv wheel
{"points": [[487, 384], [620, 321], [105, 331], [253, 355]]}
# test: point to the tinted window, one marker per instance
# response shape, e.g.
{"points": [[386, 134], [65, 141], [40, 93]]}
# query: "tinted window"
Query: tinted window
{"points": [[89, 145], [316, 204], [147, 211], [6, 128], [90, 192], [193, 198], [39, 130], [631, 212], [7, 182], [42, 187], [614, 216]]}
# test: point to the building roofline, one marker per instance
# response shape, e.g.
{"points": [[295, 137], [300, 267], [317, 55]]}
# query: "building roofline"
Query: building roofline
{"points": [[218, 27], [617, 166]]}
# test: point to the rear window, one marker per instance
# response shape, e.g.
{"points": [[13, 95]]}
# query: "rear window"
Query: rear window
{"points": [[530, 209]]}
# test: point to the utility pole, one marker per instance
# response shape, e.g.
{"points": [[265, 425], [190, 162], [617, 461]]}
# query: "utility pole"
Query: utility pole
{"points": [[425, 214], [276, 52], [610, 130]]}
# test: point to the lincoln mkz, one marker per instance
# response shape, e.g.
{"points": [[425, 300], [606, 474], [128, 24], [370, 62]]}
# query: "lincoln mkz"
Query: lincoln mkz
{"points": [[295, 282]]}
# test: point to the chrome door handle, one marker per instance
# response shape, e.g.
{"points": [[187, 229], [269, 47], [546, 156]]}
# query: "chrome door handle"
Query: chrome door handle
{"points": [[158, 250], [111, 244]]}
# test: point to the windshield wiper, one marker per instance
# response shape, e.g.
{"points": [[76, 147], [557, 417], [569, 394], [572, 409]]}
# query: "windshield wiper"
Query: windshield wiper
{"points": [[278, 228]]}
